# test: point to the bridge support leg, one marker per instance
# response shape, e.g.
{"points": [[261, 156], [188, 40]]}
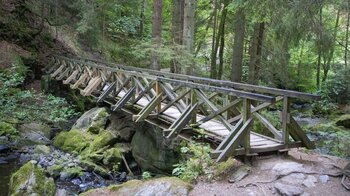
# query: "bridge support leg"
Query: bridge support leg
{"points": [[285, 117], [246, 116]]}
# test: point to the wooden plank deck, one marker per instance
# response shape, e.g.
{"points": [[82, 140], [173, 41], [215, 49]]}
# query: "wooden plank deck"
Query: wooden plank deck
{"points": [[259, 143]]}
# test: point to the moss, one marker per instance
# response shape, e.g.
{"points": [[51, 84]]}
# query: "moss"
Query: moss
{"points": [[42, 149], [30, 179], [343, 120], [7, 129], [95, 168], [55, 170], [104, 139], [112, 156], [224, 166], [72, 141], [73, 172], [99, 122]]}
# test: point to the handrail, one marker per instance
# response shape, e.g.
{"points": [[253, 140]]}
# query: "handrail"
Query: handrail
{"points": [[190, 84], [206, 81]]}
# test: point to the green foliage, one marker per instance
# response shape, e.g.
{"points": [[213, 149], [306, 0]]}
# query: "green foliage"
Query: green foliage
{"points": [[195, 161], [72, 141], [146, 175], [7, 129], [27, 106]]}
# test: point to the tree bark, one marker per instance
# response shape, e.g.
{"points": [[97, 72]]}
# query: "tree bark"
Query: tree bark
{"points": [[238, 46], [213, 71], [222, 39], [142, 18], [347, 36], [320, 49], [156, 32], [255, 53], [188, 30], [177, 29]]}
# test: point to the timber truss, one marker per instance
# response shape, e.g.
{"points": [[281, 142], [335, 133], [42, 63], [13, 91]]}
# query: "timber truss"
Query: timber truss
{"points": [[185, 105]]}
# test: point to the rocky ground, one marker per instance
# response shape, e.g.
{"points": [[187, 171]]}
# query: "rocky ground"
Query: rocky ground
{"points": [[300, 173]]}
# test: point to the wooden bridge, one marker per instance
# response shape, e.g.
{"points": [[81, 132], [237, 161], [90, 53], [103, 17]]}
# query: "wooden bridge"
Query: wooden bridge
{"points": [[184, 106]]}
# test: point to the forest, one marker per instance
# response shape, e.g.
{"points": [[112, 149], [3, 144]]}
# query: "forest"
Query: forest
{"points": [[74, 144]]}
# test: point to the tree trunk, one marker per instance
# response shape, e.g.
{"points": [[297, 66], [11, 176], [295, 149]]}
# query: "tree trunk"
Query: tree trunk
{"points": [[213, 71], [327, 64], [177, 29], [222, 39], [347, 36], [142, 18], [320, 49], [255, 53], [188, 30], [237, 61], [156, 31]]}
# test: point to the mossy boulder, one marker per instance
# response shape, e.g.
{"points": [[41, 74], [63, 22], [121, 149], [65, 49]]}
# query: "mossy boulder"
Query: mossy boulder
{"points": [[93, 167], [71, 172], [160, 186], [42, 149], [152, 152], [92, 121], [34, 134], [31, 180], [344, 121], [72, 141], [7, 129], [122, 126]]}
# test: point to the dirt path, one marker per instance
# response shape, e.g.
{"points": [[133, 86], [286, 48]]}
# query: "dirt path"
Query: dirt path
{"points": [[270, 168]]}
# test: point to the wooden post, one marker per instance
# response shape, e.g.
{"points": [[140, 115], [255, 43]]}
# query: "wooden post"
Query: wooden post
{"points": [[193, 102], [158, 92], [285, 120], [224, 103], [246, 115]]}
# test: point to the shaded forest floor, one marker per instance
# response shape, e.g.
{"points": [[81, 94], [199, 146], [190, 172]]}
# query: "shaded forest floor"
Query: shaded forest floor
{"points": [[293, 170]]}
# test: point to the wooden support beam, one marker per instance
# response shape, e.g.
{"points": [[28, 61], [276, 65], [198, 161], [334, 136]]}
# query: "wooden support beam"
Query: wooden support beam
{"points": [[182, 121], [172, 96], [296, 130], [63, 74], [143, 114], [122, 86], [175, 100], [122, 102], [81, 80], [159, 93], [285, 120], [269, 126], [144, 92], [233, 144], [255, 109], [220, 111], [72, 77], [194, 102], [108, 91], [92, 86], [213, 108], [229, 137], [59, 70]]}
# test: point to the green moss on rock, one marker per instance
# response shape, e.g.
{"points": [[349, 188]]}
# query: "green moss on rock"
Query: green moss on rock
{"points": [[344, 121], [72, 141], [7, 129], [159, 186], [92, 121], [31, 180]]}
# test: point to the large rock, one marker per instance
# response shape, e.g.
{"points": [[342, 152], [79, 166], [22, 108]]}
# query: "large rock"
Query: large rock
{"points": [[167, 186], [31, 180], [152, 152], [288, 190], [344, 121], [34, 134], [122, 126], [93, 120]]}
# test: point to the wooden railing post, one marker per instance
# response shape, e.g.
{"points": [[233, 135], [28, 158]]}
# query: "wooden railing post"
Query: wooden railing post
{"points": [[158, 92], [246, 115], [285, 120], [193, 102]]}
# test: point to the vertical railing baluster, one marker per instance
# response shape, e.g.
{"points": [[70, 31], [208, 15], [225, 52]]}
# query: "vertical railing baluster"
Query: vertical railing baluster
{"points": [[158, 92], [246, 115], [285, 120], [193, 102]]}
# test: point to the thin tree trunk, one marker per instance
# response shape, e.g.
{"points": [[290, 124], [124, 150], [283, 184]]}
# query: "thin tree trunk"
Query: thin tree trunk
{"points": [[222, 39], [255, 53], [142, 17], [206, 32], [213, 71], [156, 31], [188, 30], [347, 36], [177, 30], [320, 49], [237, 61], [327, 65]]}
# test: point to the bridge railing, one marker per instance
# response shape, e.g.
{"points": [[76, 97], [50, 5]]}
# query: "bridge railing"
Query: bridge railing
{"points": [[226, 110]]}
